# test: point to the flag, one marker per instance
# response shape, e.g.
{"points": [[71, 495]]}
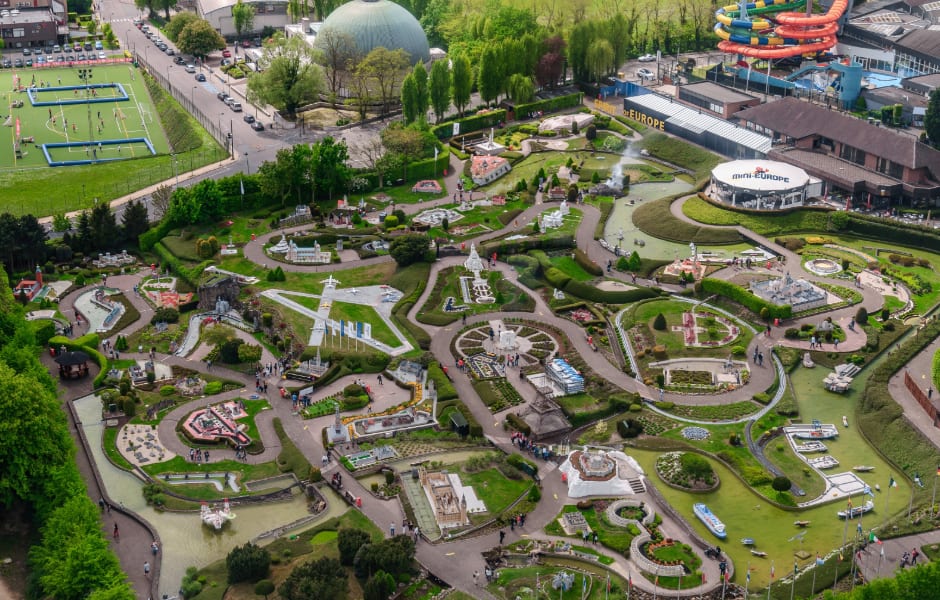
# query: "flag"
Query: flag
{"points": [[938, 470], [583, 585], [882, 550], [17, 127], [656, 583], [747, 576], [796, 568], [727, 575], [917, 480], [630, 581], [342, 328], [868, 491], [850, 503], [873, 538], [241, 183], [771, 571], [841, 558], [894, 484], [608, 582]]}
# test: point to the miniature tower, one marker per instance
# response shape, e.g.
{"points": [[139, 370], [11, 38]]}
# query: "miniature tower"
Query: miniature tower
{"points": [[463, 509]]}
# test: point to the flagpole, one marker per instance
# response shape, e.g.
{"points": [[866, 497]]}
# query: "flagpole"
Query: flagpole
{"points": [[910, 505], [887, 496], [747, 578], [815, 568], [771, 584], [679, 591], [933, 500], [796, 569]]}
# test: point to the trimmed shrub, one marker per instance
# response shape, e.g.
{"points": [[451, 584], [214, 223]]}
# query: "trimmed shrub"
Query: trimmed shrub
{"points": [[780, 483], [212, 388], [861, 315], [516, 422], [659, 323]]}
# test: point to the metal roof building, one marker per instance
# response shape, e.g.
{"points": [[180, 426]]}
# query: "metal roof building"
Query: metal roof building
{"points": [[718, 135]]}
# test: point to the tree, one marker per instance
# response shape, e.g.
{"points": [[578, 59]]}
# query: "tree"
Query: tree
{"points": [[291, 79], [23, 241], [249, 353], [461, 82], [105, 233], [384, 70], [409, 248], [178, 23], [321, 578], [265, 587], [135, 221], [199, 38], [243, 17], [92, 27], [349, 540], [600, 56], [409, 99], [393, 555], [521, 89], [160, 199], [490, 76], [421, 85], [247, 563], [861, 315], [330, 173], [659, 323], [439, 88], [379, 587], [932, 118], [338, 54], [780, 483], [165, 5]]}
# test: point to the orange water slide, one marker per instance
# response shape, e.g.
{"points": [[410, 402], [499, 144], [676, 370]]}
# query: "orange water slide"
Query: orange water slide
{"points": [[818, 31]]}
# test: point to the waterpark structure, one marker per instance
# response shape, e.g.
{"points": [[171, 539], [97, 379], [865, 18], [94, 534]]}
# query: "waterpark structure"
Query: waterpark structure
{"points": [[777, 29]]}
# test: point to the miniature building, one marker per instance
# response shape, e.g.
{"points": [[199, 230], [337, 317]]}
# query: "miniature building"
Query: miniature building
{"points": [[29, 287], [601, 473], [296, 254], [554, 219], [215, 287], [566, 122], [545, 418], [798, 293], [489, 147], [486, 169], [557, 193], [281, 247], [451, 501], [566, 376]]}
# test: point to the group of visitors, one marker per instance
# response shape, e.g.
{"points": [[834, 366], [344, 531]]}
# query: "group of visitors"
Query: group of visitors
{"points": [[195, 455]]}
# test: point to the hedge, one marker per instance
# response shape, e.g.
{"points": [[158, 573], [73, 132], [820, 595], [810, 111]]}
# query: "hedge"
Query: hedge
{"points": [[149, 238], [43, 330], [516, 422], [470, 124], [581, 257], [912, 236], [429, 168], [190, 276], [445, 389], [551, 105], [507, 248], [745, 298], [593, 294], [290, 458]]}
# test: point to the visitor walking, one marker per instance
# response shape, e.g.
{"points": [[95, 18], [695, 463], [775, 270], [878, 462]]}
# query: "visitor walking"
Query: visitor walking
{"points": [[147, 569], [502, 536], [391, 529], [116, 534]]}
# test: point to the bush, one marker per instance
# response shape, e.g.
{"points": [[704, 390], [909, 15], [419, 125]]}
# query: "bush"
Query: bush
{"points": [[629, 428], [212, 388], [781, 483], [247, 563], [745, 298], [168, 315], [535, 494], [516, 422], [659, 323], [861, 316], [167, 390], [349, 541]]}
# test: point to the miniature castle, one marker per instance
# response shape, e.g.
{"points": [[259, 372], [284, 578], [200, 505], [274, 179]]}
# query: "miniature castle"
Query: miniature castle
{"points": [[798, 293]]}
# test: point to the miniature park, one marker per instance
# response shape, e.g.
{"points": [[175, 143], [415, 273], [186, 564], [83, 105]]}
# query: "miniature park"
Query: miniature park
{"points": [[675, 407]]}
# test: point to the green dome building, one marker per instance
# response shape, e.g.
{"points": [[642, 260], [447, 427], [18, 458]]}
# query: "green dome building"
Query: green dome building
{"points": [[375, 23]]}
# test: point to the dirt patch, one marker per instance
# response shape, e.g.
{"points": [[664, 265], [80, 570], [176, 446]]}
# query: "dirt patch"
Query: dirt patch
{"points": [[614, 286]]}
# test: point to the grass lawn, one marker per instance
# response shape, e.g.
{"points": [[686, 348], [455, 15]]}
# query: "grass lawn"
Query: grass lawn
{"points": [[479, 220], [349, 312], [40, 189], [781, 454], [654, 218], [519, 582], [507, 295], [495, 489], [377, 274], [613, 537], [680, 153], [799, 221]]}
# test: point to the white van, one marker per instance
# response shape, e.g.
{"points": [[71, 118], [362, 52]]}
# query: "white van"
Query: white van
{"points": [[236, 106]]}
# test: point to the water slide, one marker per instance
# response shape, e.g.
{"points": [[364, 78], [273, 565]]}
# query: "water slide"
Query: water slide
{"points": [[780, 32]]}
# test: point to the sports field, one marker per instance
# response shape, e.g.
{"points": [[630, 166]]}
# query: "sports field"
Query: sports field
{"points": [[59, 107], [102, 132]]}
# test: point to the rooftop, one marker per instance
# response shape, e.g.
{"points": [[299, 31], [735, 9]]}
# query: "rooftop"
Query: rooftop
{"points": [[799, 120], [925, 42], [832, 167], [717, 92], [481, 166]]}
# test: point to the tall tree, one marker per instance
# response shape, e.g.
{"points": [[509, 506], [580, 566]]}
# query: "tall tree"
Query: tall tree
{"points": [[489, 76], [135, 221], [330, 172], [291, 80], [178, 23], [106, 235], [600, 56], [462, 82], [385, 69], [199, 38], [439, 88], [932, 118], [521, 89], [165, 5], [338, 54], [420, 75], [243, 17], [409, 99]]}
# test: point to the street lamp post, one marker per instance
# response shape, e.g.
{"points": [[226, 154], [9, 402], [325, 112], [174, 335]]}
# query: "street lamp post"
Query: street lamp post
{"points": [[247, 164], [168, 67], [84, 75], [192, 100], [176, 172]]}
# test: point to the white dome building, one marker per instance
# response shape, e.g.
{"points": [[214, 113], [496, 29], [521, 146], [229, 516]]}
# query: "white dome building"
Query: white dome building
{"points": [[375, 23]]}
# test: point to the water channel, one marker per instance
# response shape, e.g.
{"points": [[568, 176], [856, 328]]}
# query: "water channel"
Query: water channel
{"points": [[747, 515], [186, 542]]}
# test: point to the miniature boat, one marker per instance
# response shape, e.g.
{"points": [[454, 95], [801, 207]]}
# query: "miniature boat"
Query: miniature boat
{"points": [[845, 421], [758, 553], [801, 523], [811, 447], [747, 541], [856, 511], [863, 468], [713, 523], [821, 432], [877, 487]]}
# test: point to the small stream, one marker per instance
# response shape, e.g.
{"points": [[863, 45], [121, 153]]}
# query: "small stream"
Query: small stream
{"points": [[185, 541]]}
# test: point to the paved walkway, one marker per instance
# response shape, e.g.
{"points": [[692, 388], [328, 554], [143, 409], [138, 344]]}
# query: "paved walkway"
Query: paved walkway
{"points": [[873, 564]]}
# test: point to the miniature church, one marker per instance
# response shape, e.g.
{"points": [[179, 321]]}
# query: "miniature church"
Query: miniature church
{"points": [[554, 219]]}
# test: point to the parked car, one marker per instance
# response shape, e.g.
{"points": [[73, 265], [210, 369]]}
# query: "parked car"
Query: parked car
{"points": [[647, 58], [179, 60], [102, 56], [248, 119], [169, 51], [7, 63], [27, 51], [57, 49], [18, 63], [29, 62], [190, 68], [257, 126], [236, 106], [222, 96], [645, 74], [226, 54], [88, 47], [200, 77], [246, 44], [226, 62]]}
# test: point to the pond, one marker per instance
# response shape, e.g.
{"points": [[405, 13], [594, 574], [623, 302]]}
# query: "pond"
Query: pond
{"points": [[621, 219], [748, 515], [185, 541]]}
